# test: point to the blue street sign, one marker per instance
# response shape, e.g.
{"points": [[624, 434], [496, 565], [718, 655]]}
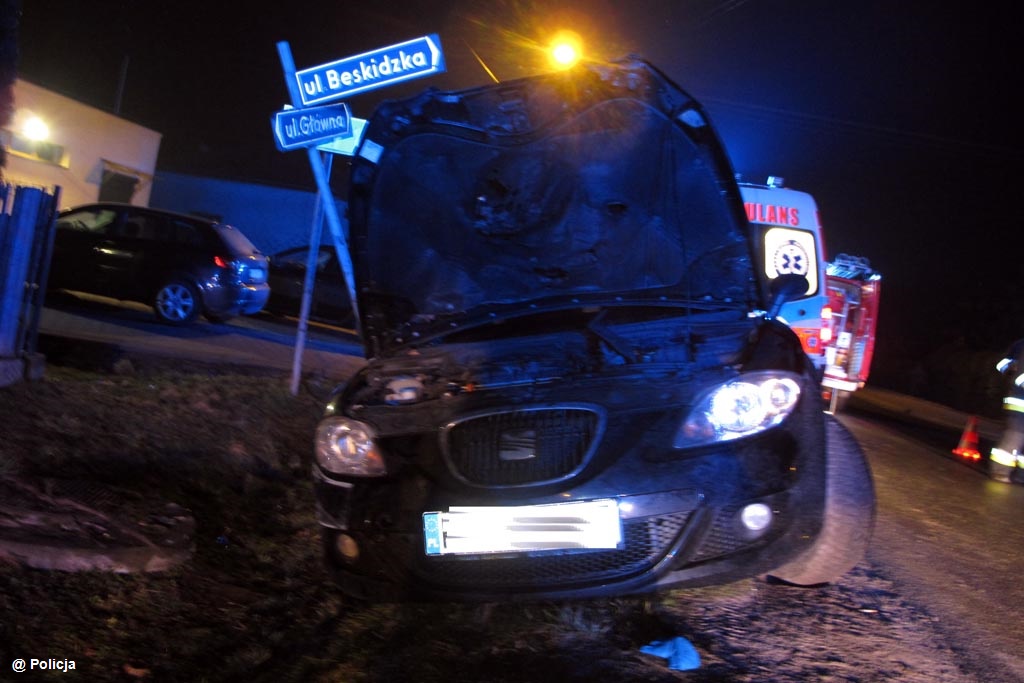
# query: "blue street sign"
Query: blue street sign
{"points": [[386, 66], [295, 128]]}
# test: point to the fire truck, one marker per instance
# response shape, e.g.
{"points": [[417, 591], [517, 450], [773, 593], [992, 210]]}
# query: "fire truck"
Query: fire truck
{"points": [[835, 317], [853, 288]]}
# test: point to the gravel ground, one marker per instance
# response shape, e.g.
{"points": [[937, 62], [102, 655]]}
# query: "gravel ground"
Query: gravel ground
{"points": [[231, 445]]}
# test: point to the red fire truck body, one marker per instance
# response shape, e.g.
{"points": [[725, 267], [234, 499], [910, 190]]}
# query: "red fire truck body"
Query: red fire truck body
{"points": [[853, 295]]}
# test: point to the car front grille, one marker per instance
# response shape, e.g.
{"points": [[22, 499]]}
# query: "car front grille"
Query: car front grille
{"points": [[522, 447], [646, 541]]}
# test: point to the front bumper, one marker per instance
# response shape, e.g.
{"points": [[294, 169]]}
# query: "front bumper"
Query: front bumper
{"points": [[680, 522], [693, 545]]}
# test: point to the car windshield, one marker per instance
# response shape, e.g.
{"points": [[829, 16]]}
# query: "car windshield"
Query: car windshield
{"points": [[297, 259], [617, 200]]}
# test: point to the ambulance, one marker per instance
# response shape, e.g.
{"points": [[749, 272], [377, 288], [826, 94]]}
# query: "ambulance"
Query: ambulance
{"points": [[836, 316], [793, 243]]}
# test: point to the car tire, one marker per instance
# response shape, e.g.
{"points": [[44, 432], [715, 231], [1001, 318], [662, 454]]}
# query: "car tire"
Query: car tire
{"points": [[177, 302], [849, 516]]}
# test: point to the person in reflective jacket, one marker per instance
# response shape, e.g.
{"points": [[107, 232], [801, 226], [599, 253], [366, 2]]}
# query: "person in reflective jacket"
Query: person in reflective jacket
{"points": [[1007, 454]]}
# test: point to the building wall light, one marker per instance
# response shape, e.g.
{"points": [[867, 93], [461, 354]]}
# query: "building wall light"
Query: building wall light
{"points": [[34, 128]]}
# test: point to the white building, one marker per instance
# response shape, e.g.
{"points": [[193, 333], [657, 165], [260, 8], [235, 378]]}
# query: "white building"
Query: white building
{"points": [[92, 155]]}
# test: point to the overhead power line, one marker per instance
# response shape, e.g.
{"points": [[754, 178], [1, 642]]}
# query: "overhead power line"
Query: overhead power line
{"points": [[850, 126]]}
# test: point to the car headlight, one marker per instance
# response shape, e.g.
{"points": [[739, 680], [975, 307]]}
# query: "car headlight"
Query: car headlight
{"points": [[345, 446], [740, 407]]}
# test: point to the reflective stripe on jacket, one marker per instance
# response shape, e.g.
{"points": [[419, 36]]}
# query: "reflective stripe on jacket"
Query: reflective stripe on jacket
{"points": [[998, 455]]}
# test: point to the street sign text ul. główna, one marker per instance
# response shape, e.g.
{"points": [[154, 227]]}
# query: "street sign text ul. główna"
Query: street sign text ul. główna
{"points": [[294, 128], [386, 66]]}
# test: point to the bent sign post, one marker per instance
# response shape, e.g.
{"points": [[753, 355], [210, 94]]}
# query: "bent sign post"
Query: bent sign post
{"points": [[329, 129]]}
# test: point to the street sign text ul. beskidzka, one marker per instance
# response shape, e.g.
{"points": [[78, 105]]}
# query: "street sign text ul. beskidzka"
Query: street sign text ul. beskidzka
{"points": [[386, 66]]}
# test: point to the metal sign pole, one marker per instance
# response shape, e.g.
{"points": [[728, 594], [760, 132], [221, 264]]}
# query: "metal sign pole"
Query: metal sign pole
{"points": [[326, 198], [309, 283]]}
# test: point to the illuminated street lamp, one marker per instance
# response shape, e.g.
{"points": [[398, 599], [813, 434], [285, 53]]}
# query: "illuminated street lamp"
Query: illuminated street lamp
{"points": [[563, 54], [565, 49]]}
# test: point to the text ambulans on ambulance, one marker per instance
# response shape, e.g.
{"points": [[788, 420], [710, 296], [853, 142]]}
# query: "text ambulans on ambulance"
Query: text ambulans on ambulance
{"points": [[793, 243]]}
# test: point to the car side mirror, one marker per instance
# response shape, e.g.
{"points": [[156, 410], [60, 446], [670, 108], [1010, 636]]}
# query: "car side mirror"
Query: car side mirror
{"points": [[785, 288]]}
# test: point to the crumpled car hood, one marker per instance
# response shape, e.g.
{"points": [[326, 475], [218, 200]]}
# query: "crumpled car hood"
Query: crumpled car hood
{"points": [[602, 185]]}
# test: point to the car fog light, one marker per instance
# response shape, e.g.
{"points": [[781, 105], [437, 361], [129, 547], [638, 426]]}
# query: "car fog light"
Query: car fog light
{"points": [[756, 516], [347, 548]]}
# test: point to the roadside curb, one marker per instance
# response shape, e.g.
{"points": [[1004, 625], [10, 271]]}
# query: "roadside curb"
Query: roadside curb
{"points": [[83, 526]]}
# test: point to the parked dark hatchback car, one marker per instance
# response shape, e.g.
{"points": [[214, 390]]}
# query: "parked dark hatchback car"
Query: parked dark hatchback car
{"points": [[182, 265], [575, 385], [287, 279]]}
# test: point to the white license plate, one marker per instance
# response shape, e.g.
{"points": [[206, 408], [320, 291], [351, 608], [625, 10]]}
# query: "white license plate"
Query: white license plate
{"points": [[591, 524]]}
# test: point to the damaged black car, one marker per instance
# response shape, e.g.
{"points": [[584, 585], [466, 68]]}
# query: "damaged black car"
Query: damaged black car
{"points": [[575, 383]]}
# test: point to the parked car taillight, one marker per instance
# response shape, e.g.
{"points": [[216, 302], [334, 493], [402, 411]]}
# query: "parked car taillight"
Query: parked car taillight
{"points": [[245, 272]]}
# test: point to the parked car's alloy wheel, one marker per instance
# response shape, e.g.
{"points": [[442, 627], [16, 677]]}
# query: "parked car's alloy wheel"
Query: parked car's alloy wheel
{"points": [[177, 302]]}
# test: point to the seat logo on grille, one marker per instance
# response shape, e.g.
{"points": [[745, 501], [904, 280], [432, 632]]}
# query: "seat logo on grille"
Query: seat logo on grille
{"points": [[517, 444]]}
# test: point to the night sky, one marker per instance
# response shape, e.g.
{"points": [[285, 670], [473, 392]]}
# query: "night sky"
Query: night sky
{"points": [[899, 117]]}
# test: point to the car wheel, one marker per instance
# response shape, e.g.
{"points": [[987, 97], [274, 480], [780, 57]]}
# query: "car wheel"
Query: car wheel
{"points": [[177, 302], [849, 517]]}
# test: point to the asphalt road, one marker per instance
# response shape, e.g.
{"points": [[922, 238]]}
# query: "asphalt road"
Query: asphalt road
{"points": [[954, 540], [261, 340]]}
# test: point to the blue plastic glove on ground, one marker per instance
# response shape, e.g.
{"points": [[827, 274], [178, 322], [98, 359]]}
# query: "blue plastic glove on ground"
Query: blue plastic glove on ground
{"points": [[681, 655]]}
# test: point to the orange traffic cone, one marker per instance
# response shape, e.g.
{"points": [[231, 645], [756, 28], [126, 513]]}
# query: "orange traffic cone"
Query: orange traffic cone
{"points": [[968, 447]]}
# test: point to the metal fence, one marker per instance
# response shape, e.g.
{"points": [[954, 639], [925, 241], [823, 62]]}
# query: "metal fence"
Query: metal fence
{"points": [[27, 219]]}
